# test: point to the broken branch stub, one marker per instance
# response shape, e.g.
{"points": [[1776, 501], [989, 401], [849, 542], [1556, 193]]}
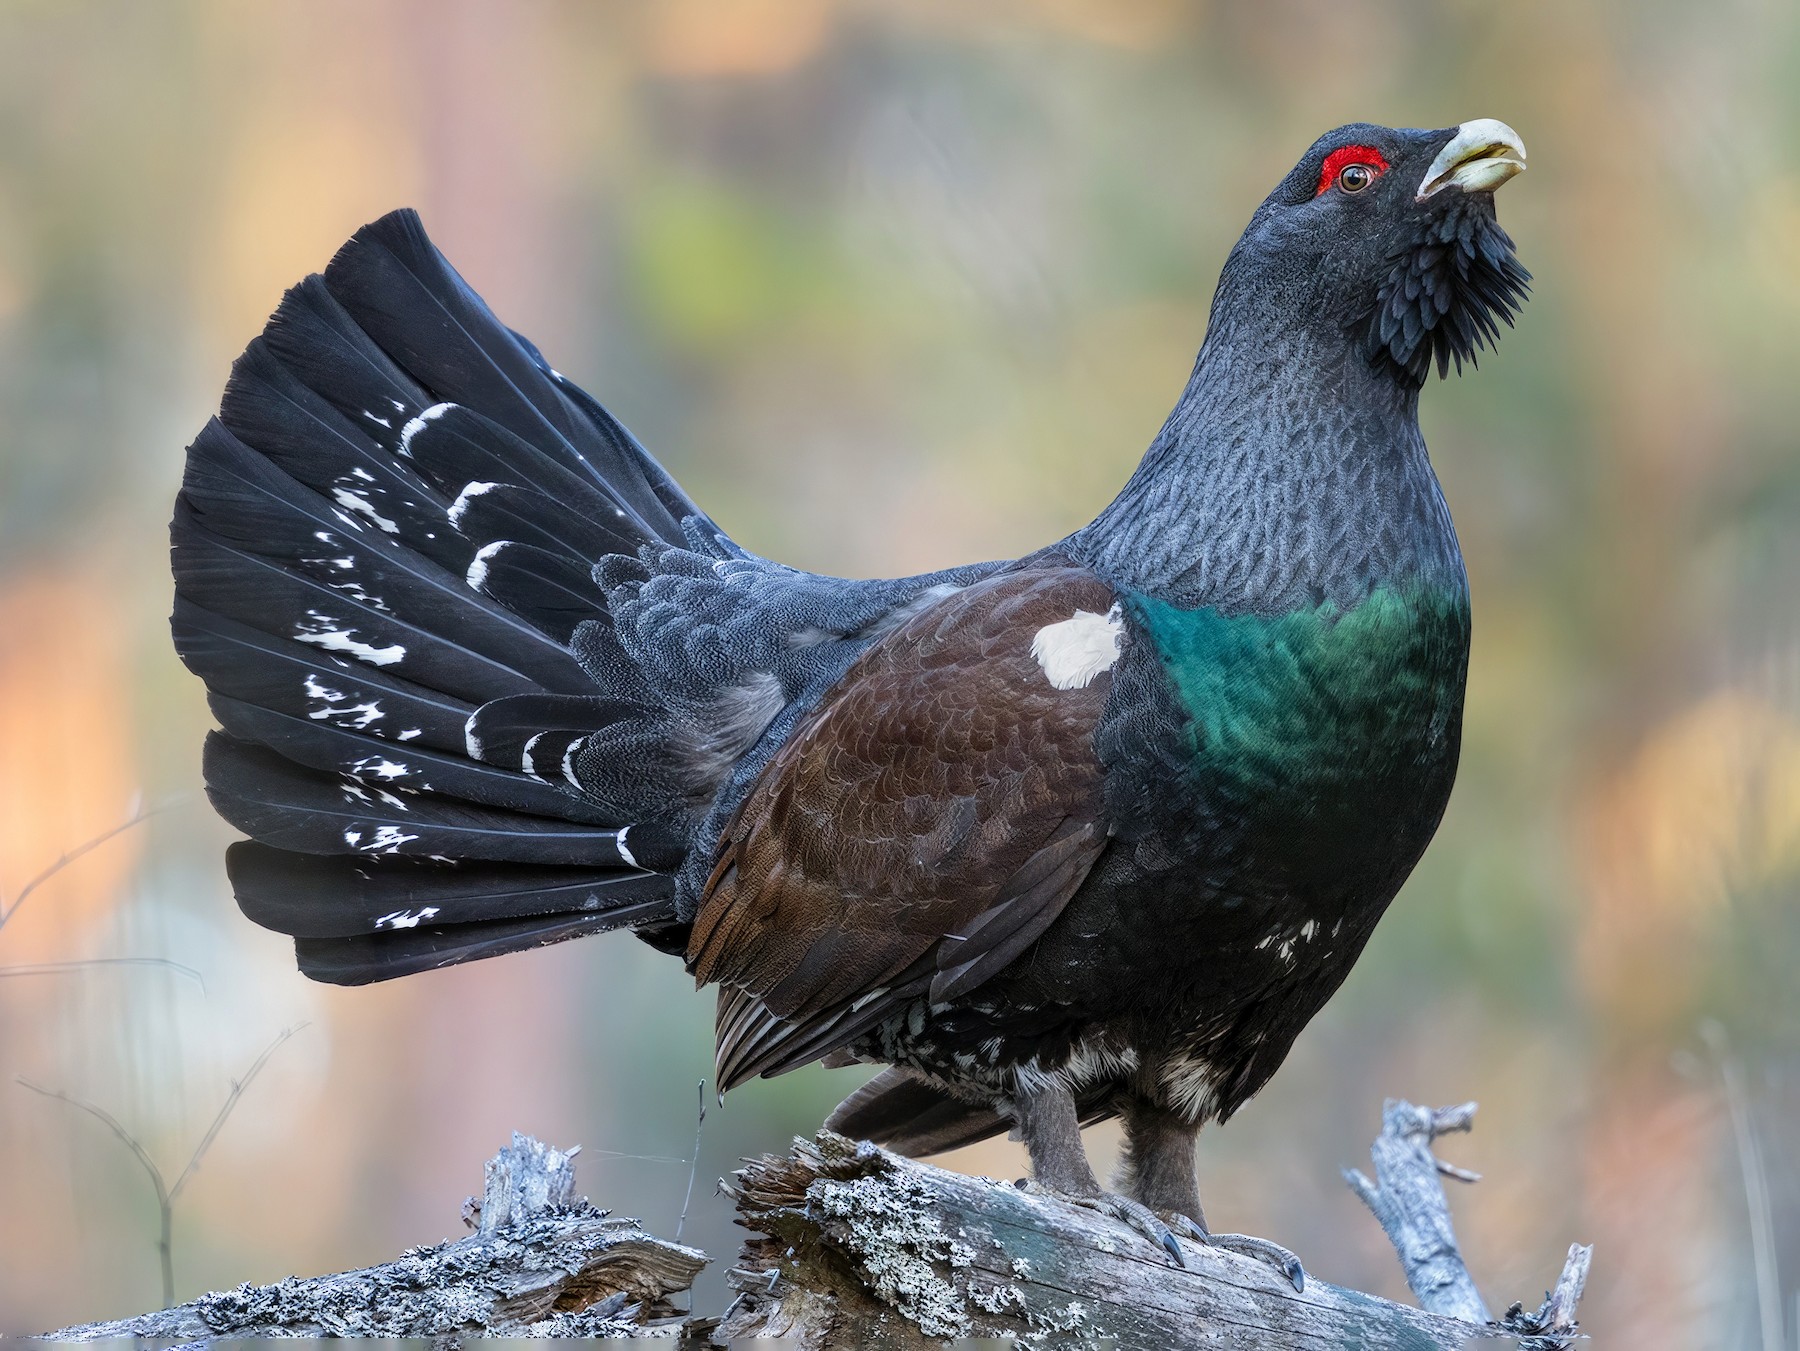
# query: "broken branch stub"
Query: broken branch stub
{"points": [[542, 1262], [859, 1247]]}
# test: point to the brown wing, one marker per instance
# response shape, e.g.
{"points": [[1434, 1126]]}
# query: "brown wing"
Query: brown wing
{"points": [[920, 830]]}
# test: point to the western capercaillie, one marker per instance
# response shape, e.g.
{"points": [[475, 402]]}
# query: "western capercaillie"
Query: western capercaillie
{"points": [[1085, 834]]}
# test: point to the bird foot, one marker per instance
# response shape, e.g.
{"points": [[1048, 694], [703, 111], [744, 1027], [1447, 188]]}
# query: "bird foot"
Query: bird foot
{"points": [[1259, 1249], [1134, 1214]]}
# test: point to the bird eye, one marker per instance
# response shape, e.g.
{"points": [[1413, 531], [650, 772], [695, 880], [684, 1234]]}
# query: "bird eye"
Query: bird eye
{"points": [[1355, 177]]}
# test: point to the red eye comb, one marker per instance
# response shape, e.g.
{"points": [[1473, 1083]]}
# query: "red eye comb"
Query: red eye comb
{"points": [[1349, 154]]}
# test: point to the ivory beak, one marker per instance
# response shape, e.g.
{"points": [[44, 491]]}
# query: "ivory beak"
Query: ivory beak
{"points": [[1479, 158]]}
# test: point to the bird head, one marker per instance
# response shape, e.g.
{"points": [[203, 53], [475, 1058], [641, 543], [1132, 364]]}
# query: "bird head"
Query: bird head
{"points": [[1390, 237]]}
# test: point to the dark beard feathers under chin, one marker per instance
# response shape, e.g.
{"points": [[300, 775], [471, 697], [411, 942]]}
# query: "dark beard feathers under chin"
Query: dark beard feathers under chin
{"points": [[1446, 295]]}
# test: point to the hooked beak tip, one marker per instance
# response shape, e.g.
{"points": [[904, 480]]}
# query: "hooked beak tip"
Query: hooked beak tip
{"points": [[1481, 156]]}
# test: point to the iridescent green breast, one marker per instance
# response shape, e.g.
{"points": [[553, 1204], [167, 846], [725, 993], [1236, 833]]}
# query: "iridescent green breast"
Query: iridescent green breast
{"points": [[1318, 703]]}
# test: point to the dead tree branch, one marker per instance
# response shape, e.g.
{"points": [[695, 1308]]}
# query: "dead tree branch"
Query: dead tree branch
{"points": [[855, 1247], [858, 1247], [541, 1261]]}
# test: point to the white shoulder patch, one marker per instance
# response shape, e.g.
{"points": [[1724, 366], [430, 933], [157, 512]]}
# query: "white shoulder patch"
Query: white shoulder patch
{"points": [[1076, 650]]}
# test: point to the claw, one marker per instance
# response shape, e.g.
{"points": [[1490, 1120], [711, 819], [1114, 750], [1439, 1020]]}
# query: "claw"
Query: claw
{"points": [[1173, 1248], [1182, 1225], [1261, 1250], [1138, 1216]]}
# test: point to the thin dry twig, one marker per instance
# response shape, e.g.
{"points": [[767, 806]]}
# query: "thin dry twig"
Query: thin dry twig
{"points": [[166, 1195], [231, 1100], [64, 968], [165, 1238], [138, 817], [694, 1164], [1554, 1325]]}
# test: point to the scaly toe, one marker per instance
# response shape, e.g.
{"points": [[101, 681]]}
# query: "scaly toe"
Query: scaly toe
{"points": [[1138, 1216], [1270, 1254]]}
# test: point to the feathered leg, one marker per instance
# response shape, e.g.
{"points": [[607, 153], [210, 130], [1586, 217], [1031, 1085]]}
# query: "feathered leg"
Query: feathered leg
{"points": [[1050, 1126], [1158, 1166], [1158, 1172]]}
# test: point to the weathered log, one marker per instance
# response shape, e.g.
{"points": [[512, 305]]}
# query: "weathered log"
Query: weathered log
{"points": [[541, 1262], [857, 1247]]}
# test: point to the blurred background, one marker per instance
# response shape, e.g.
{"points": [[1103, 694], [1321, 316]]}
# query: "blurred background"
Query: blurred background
{"points": [[891, 286]]}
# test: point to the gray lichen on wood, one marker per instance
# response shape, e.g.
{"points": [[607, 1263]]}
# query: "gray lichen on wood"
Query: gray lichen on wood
{"points": [[542, 1262], [858, 1247], [862, 1248], [1408, 1199], [854, 1247]]}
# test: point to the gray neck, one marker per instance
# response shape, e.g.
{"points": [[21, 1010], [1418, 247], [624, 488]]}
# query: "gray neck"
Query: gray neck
{"points": [[1291, 472]]}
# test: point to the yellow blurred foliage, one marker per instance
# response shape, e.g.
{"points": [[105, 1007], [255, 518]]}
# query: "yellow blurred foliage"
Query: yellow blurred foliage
{"points": [[1709, 806], [294, 188], [736, 37], [1121, 23], [1773, 221], [67, 771]]}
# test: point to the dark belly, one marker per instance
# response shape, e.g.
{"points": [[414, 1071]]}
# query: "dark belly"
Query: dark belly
{"points": [[1255, 848]]}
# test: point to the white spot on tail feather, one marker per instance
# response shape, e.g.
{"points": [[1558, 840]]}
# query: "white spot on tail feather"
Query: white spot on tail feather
{"points": [[361, 505], [320, 694], [356, 591], [408, 734], [379, 766], [568, 761], [625, 853], [461, 504], [406, 919], [478, 566], [339, 640], [333, 711], [387, 840], [416, 425], [1078, 649]]}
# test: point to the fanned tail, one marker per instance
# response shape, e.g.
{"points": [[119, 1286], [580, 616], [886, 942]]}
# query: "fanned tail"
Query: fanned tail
{"points": [[383, 549]]}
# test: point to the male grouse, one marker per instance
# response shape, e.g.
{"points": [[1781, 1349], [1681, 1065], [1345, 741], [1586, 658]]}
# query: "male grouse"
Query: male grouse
{"points": [[1089, 833]]}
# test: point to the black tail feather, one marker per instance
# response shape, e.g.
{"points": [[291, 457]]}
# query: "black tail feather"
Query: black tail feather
{"points": [[551, 591], [318, 745], [372, 957], [383, 550], [339, 897], [274, 800], [910, 1116], [303, 681], [400, 291]]}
